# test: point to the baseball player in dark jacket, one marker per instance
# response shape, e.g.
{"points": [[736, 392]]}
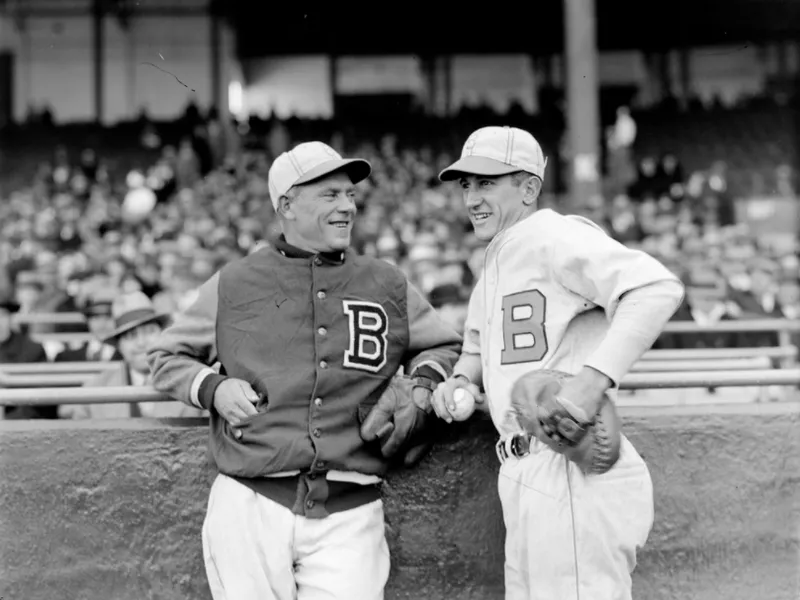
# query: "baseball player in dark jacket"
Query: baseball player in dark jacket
{"points": [[309, 336]]}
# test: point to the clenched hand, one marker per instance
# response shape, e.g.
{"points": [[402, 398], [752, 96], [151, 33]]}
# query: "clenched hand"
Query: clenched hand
{"points": [[443, 402], [235, 400]]}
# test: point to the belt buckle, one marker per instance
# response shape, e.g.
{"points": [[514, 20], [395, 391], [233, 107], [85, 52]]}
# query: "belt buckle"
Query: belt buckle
{"points": [[520, 445], [513, 445]]}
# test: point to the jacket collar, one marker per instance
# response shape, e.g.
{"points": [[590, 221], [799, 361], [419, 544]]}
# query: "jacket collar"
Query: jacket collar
{"points": [[290, 251]]}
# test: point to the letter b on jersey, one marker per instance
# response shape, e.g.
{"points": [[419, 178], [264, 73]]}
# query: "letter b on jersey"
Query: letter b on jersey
{"points": [[368, 327], [524, 339]]}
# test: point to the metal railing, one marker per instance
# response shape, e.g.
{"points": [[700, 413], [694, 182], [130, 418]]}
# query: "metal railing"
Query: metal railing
{"points": [[783, 352], [72, 374], [634, 381], [708, 364]]}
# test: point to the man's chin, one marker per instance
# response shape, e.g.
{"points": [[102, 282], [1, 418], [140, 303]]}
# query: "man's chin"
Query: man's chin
{"points": [[338, 244], [485, 234]]}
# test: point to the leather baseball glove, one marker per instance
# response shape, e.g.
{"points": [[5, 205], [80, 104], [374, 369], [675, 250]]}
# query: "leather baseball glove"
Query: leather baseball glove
{"points": [[593, 446], [401, 420]]}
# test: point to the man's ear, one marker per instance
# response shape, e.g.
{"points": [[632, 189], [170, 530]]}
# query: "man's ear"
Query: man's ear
{"points": [[285, 208], [532, 189]]}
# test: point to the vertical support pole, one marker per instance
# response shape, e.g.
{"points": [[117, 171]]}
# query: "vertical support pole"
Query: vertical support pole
{"points": [[217, 97], [98, 43], [583, 101]]}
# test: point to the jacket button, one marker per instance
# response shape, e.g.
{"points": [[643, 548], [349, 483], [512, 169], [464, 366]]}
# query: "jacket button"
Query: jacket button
{"points": [[323, 364], [318, 261], [320, 465], [310, 504], [322, 331], [321, 295], [317, 401], [316, 433]]}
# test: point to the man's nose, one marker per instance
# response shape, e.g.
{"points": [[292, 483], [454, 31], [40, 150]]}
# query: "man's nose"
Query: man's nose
{"points": [[346, 204], [472, 198]]}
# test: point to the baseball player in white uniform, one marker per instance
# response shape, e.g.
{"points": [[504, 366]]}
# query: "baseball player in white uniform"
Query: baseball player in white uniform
{"points": [[555, 293]]}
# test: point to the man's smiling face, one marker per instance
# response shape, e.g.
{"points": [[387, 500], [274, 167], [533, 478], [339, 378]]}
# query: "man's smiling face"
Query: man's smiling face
{"points": [[493, 203], [323, 213]]}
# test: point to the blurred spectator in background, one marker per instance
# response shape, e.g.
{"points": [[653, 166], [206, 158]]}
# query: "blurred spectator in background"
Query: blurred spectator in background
{"points": [[27, 290], [619, 146], [17, 347], [705, 303], [97, 312], [759, 301], [646, 184]]}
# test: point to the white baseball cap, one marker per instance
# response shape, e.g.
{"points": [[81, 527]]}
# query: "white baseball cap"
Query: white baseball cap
{"points": [[310, 161], [498, 151]]}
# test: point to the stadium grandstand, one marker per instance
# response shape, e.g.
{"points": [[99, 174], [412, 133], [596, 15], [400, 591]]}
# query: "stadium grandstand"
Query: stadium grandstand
{"points": [[136, 137]]}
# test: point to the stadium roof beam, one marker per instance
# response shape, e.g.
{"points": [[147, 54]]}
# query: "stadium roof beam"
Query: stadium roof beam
{"points": [[531, 28]]}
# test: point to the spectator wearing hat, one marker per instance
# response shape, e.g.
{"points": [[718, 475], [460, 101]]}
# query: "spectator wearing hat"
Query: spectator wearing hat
{"points": [[97, 312], [136, 324], [16, 347]]}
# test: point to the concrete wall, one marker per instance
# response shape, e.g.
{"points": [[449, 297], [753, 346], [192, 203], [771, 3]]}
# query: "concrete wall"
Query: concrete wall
{"points": [[114, 509]]}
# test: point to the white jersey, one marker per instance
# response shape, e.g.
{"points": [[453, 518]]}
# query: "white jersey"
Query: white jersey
{"points": [[549, 287]]}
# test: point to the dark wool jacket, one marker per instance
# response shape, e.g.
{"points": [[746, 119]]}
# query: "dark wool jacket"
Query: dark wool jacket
{"points": [[319, 337]]}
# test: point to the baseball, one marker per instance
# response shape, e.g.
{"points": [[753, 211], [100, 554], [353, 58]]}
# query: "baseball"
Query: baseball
{"points": [[464, 405]]}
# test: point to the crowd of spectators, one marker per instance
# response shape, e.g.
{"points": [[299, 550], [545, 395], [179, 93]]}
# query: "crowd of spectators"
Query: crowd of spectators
{"points": [[193, 195]]}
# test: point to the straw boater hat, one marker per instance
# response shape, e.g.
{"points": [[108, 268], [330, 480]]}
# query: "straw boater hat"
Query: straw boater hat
{"points": [[132, 310]]}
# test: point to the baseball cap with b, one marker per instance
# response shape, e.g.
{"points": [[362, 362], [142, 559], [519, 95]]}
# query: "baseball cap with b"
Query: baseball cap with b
{"points": [[496, 151], [308, 162]]}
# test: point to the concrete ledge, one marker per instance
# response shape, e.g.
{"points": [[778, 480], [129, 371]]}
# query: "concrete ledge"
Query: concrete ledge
{"points": [[113, 509]]}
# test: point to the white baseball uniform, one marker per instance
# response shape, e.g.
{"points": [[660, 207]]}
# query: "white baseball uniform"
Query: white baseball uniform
{"points": [[549, 288]]}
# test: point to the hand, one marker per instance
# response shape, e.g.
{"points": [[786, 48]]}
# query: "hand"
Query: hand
{"points": [[443, 403], [235, 400], [399, 419], [582, 395]]}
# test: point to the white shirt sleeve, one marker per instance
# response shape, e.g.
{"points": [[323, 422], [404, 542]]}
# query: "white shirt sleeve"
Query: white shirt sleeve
{"points": [[593, 265], [475, 317], [638, 293]]}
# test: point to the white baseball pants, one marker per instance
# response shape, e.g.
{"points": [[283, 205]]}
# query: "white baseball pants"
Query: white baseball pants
{"points": [[256, 549], [569, 536]]}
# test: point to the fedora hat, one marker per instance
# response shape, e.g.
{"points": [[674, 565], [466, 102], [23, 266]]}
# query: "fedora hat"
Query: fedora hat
{"points": [[131, 311]]}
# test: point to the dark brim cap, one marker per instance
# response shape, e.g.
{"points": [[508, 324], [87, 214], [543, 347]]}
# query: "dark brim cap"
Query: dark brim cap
{"points": [[476, 165], [356, 169]]}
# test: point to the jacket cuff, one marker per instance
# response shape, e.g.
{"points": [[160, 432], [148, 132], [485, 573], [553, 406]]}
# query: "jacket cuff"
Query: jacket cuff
{"points": [[207, 389], [429, 373]]}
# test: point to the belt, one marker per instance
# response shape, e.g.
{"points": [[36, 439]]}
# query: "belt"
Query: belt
{"points": [[517, 445]]}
